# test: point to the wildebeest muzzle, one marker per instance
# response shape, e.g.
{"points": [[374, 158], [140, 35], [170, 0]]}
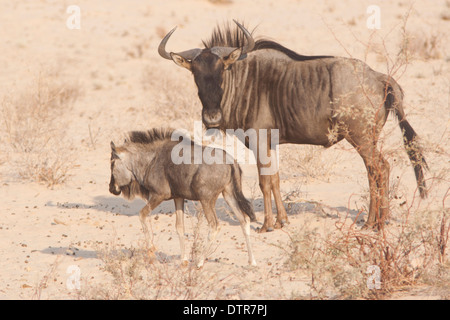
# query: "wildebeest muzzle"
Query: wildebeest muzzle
{"points": [[113, 188], [212, 118]]}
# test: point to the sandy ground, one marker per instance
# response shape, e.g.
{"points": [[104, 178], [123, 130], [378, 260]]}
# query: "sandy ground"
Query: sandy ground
{"points": [[122, 84]]}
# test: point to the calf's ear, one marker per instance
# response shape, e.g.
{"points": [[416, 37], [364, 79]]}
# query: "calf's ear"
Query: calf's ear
{"points": [[114, 155]]}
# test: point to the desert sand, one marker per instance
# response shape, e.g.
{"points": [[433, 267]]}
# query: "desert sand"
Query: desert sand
{"points": [[109, 79]]}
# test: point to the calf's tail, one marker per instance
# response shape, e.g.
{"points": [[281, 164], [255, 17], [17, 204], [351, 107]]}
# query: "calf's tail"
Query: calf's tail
{"points": [[243, 203]]}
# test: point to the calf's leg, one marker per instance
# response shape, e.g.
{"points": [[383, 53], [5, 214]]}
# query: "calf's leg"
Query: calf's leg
{"points": [[244, 220], [211, 217], [152, 203], [179, 209]]}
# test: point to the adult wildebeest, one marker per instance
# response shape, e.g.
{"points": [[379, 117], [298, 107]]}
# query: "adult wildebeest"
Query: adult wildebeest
{"points": [[318, 100], [143, 166]]}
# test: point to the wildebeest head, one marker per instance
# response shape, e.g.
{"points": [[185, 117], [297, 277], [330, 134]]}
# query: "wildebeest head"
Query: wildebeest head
{"points": [[121, 176], [208, 65]]}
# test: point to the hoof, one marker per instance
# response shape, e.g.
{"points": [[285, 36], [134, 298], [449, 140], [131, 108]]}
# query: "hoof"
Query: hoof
{"points": [[281, 224], [366, 226], [371, 226], [264, 229]]}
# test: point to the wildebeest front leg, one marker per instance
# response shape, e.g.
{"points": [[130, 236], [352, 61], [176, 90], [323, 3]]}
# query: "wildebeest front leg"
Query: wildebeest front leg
{"points": [[269, 182], [266, 187], [282, 218], [145, 211], [179, 208]]}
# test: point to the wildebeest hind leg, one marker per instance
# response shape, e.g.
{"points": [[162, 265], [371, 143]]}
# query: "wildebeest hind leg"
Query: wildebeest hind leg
{"points": [[378, 175]]}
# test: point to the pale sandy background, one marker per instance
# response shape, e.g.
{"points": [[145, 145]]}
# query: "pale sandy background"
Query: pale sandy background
{"points": [[119, 83]]}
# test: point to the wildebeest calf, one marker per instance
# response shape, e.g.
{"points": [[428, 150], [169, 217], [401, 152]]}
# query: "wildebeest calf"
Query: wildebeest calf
{"points": [[143, 166]]}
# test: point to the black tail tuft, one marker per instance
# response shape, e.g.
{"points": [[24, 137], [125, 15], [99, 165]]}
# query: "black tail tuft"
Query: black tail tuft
{"points": [[415, 155], [393, 102], [243, 203]]}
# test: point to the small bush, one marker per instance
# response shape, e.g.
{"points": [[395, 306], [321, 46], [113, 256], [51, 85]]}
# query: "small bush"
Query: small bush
{"points": [[338, 261], [35, 130]]}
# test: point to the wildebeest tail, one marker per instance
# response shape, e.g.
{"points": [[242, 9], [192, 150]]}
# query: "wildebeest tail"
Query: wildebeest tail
{"points": [[243, 203], [393, 102]]}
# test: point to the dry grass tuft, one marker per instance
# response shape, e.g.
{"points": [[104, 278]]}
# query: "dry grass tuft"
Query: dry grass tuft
{"points": [[36, 137]]}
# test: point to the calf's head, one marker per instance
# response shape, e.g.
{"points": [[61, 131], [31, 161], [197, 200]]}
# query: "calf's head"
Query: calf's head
{"points": [[121, 175], [208, 65]]}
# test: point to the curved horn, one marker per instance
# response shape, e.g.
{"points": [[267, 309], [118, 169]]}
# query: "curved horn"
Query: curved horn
{"points": [[162, 46], [188, 54], [250, 42]]}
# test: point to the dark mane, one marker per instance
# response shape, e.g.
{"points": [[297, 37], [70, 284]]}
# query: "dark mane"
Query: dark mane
{"points": [[267, 44], [150, 136], [225, 37], [233, 37]]}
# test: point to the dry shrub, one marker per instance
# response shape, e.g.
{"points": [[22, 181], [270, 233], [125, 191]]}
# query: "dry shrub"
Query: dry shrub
{"points": [[45, 280], [35, 127], [331, 273], [339, 261]]}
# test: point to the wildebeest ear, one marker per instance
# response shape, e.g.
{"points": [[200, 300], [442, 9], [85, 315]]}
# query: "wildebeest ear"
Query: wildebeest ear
{"points": [[179, 60], [232, 58], [114, 154]]}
